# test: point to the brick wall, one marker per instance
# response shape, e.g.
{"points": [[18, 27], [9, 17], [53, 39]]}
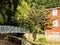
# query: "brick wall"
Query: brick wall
{"points": [[54, 33]]}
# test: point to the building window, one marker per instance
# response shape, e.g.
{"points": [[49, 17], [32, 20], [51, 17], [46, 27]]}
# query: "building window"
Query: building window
{"points": [[55, 23], [54, 12], [55, 33]]}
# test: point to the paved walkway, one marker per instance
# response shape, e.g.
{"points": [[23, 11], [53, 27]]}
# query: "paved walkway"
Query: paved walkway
{"points": [[52, 44]]}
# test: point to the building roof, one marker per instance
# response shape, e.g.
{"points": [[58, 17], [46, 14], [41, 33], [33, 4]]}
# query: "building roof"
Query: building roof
{"points": [[53, 8]]}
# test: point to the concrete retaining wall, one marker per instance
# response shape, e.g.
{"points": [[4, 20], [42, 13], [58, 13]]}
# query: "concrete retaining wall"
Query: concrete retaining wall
{"points": [[29, 36], [52, 37]]}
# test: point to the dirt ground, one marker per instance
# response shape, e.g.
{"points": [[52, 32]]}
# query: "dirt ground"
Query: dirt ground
{"points": [[5, 42]]}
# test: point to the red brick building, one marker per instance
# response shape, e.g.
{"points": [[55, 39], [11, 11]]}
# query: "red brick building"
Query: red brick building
{"points": [[54, 33]]}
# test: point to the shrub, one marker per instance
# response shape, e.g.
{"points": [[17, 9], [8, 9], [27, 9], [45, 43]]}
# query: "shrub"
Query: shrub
{"points": [[43, 40]]}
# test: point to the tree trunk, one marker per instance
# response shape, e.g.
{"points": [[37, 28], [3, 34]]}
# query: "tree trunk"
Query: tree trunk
{"points": [[34, 35]]}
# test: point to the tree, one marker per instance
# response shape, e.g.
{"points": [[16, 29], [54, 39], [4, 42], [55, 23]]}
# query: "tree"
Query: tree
{"points": [[8, 10], [22, 17], [47, 3], [38, 17], [31, 18]]}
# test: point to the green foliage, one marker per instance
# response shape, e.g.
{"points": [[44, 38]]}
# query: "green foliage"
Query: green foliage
{"points": [[43, 40], [32, 18], [48, 3], [1, 19], [23, 6], [29, 14], [22, 18], [23, 9]]}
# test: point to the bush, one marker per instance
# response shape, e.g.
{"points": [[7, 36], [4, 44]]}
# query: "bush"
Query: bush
{"points": [[43, 40]]}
